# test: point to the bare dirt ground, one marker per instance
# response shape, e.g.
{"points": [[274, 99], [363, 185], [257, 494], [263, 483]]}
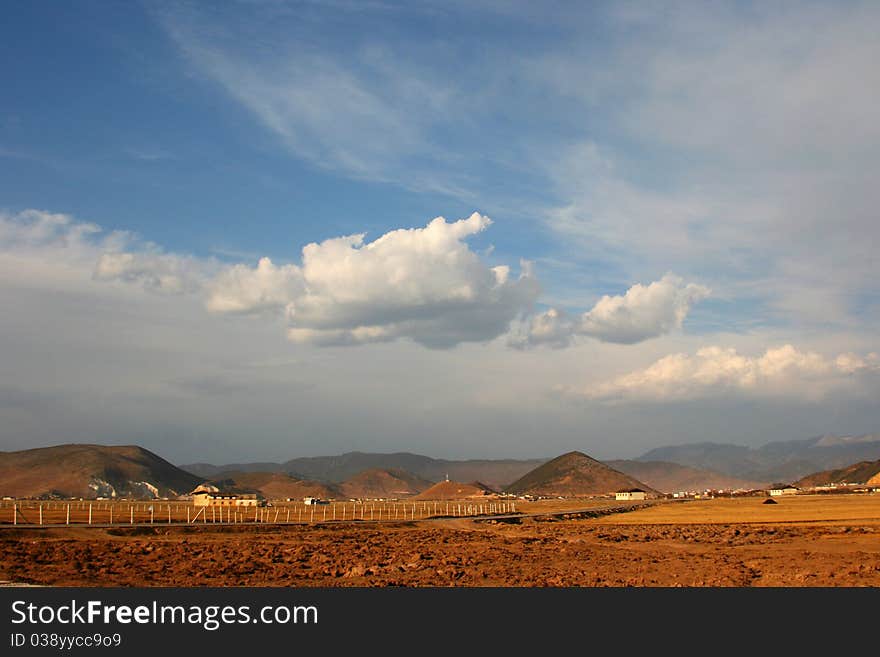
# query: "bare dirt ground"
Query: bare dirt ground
{"points": [[824, 542]]}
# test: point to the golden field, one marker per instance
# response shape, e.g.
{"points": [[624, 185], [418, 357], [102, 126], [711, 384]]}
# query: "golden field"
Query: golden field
{"points": [[825, 509]]}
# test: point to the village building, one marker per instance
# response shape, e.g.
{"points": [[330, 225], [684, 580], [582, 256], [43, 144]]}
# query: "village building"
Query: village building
{"points": [[778, 490], [631, 494], [227, 499]]}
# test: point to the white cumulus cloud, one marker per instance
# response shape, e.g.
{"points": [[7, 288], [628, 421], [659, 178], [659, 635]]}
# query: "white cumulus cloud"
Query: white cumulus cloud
{"points": [[715, 371], [643, 312], [246, 290], [419, 283]]}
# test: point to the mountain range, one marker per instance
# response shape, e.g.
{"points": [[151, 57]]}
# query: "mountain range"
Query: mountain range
{"points": [[695, 466], [91, 471], [495, 473], [781, 461]]}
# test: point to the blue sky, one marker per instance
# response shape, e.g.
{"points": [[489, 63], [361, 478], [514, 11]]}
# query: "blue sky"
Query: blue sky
{"points": [[107, 96], [657, 218]]}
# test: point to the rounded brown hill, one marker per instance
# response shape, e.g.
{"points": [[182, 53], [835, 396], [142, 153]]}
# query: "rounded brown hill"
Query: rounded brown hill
{"points": [[385, 483], [574, 475], [455, 490], [273, 485], [863, 472], [91, 471]]}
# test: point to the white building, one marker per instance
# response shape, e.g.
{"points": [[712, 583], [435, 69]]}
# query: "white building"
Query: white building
{"points": [[777, 491], [631, 494]]}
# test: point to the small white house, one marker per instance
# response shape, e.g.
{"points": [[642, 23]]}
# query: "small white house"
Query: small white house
{"points": [[631, 494], [777, 491]]}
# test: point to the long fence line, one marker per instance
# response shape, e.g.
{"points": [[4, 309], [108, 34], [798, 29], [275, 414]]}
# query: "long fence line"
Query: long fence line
{"points": [[84, 512]]}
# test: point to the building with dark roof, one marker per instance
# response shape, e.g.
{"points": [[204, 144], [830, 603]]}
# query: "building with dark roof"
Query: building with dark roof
{"points": [[627, 494]]}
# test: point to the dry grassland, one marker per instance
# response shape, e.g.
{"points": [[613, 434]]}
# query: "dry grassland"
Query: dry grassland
{"points": [[825, 509]]}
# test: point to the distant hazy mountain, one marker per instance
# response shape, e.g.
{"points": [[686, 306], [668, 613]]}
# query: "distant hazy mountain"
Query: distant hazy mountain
{"points": [[672, 477], [336, 469], [273, 485], [91, 471], [493, 472], [776, 461], [574, 474], [372, 483], [208, 471], [391, 483]]}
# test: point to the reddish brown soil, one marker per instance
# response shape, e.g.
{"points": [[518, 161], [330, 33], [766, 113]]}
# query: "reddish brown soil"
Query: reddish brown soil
{"points": [[449, 553]]}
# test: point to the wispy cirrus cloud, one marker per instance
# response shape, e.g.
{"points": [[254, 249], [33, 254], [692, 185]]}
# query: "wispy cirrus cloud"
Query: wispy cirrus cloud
{"points": [[364, 111], [149, 154]]}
